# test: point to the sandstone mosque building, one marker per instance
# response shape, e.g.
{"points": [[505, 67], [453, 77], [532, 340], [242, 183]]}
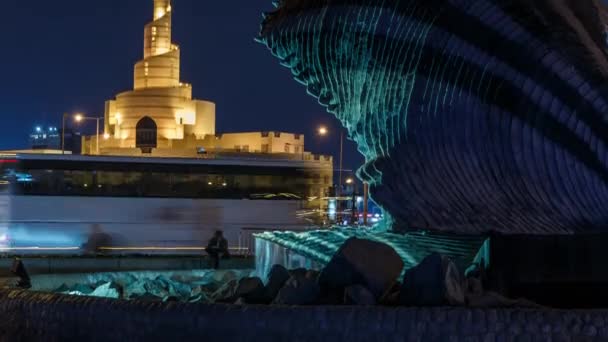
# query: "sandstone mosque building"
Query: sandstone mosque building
{"points": [[159, 117]]}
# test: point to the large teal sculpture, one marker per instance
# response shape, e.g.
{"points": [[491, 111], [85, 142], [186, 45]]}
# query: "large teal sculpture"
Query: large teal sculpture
{"points": [[473, 115]]}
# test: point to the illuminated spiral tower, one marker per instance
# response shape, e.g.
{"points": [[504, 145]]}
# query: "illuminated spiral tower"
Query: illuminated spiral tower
{"points": [[160, 109], [160, 66]]}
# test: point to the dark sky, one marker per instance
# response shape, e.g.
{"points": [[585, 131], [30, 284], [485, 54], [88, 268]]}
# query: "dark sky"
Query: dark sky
{"points": [[72, 55]]}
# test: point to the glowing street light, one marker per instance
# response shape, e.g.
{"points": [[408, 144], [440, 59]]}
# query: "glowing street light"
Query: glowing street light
{"points": [[349, 181], [323, 131], [80, 118], [106, 136]]}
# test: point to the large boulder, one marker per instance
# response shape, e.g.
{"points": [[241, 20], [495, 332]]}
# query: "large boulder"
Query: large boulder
{"points": [[436, 281], [298, 290], [358, 295], [277, 277], [372, 264], [225, 294], [251, 289]]}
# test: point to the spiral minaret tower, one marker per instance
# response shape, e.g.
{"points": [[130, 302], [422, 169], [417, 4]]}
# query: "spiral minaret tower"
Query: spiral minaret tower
{"points": [[160, 66], [159, 110]]}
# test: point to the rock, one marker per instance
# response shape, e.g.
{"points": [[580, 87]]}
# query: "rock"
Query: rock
{"points": [[225, 294], [240, 301], [136, 288], [313, 275], [82, 288], [374, 265], [224, 277], [358, 295], [196, 291], [62, 288], [298, 291], [436, 281], [180, 290], [201, 298], [251, 289], [277, 277], [298, 272], [391, 298], [157, 287], [185, 278], [107, 290], [171, 299]]}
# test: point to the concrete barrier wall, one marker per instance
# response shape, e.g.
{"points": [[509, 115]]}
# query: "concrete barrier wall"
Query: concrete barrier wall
{"points": [[30, 316]]}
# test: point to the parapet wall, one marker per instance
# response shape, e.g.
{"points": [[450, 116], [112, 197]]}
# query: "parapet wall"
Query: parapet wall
{"points": [[30, 316]]}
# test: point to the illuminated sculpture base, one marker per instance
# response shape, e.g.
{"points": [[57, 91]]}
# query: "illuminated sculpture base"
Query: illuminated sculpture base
{"points": [[315, 249]]}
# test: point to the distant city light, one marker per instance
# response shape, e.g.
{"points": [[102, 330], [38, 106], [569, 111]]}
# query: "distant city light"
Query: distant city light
{"points": [[349, 181], [38, 129]]}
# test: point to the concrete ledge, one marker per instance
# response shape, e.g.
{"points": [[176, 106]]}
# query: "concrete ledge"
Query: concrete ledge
{"points": [[30, 316], [62, 265]]}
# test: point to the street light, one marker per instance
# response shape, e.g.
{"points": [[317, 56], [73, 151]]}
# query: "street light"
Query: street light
{"points": [[323, 131], [80, 118]]}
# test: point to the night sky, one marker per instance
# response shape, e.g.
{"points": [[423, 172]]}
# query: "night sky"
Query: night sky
{"points": [[72, 55]]}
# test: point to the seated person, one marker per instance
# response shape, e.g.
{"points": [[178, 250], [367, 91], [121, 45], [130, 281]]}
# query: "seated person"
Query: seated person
{"points": [[218, 248]]}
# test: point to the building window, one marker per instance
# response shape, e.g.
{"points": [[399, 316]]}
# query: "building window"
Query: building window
{"points": [[287, 149], [297, 149], [245, 148], [237, 148], [325, 179], [265, 134], [277, 134], [265, 148], [297, 136]]}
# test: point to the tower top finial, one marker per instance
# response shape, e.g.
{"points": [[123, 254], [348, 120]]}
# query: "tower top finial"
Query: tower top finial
{"points": [[161, 8]]}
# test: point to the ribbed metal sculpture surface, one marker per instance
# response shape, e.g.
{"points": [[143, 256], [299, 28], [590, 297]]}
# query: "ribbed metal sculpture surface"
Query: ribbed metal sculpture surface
{"points": [[473, 115]]}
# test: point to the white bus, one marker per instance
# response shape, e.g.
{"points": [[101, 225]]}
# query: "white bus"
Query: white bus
{"points": [[151, 205]]}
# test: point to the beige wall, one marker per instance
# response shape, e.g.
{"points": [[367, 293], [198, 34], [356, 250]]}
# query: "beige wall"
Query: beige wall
{"points": [[262, 142]]}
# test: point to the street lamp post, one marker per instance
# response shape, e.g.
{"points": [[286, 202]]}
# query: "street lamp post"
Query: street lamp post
{"points": [[80, 118], [323, 131], [63, 133]]}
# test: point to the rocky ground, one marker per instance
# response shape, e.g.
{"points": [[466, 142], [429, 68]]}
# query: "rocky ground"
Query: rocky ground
{"points": [[200, 286], [362, 272]]}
